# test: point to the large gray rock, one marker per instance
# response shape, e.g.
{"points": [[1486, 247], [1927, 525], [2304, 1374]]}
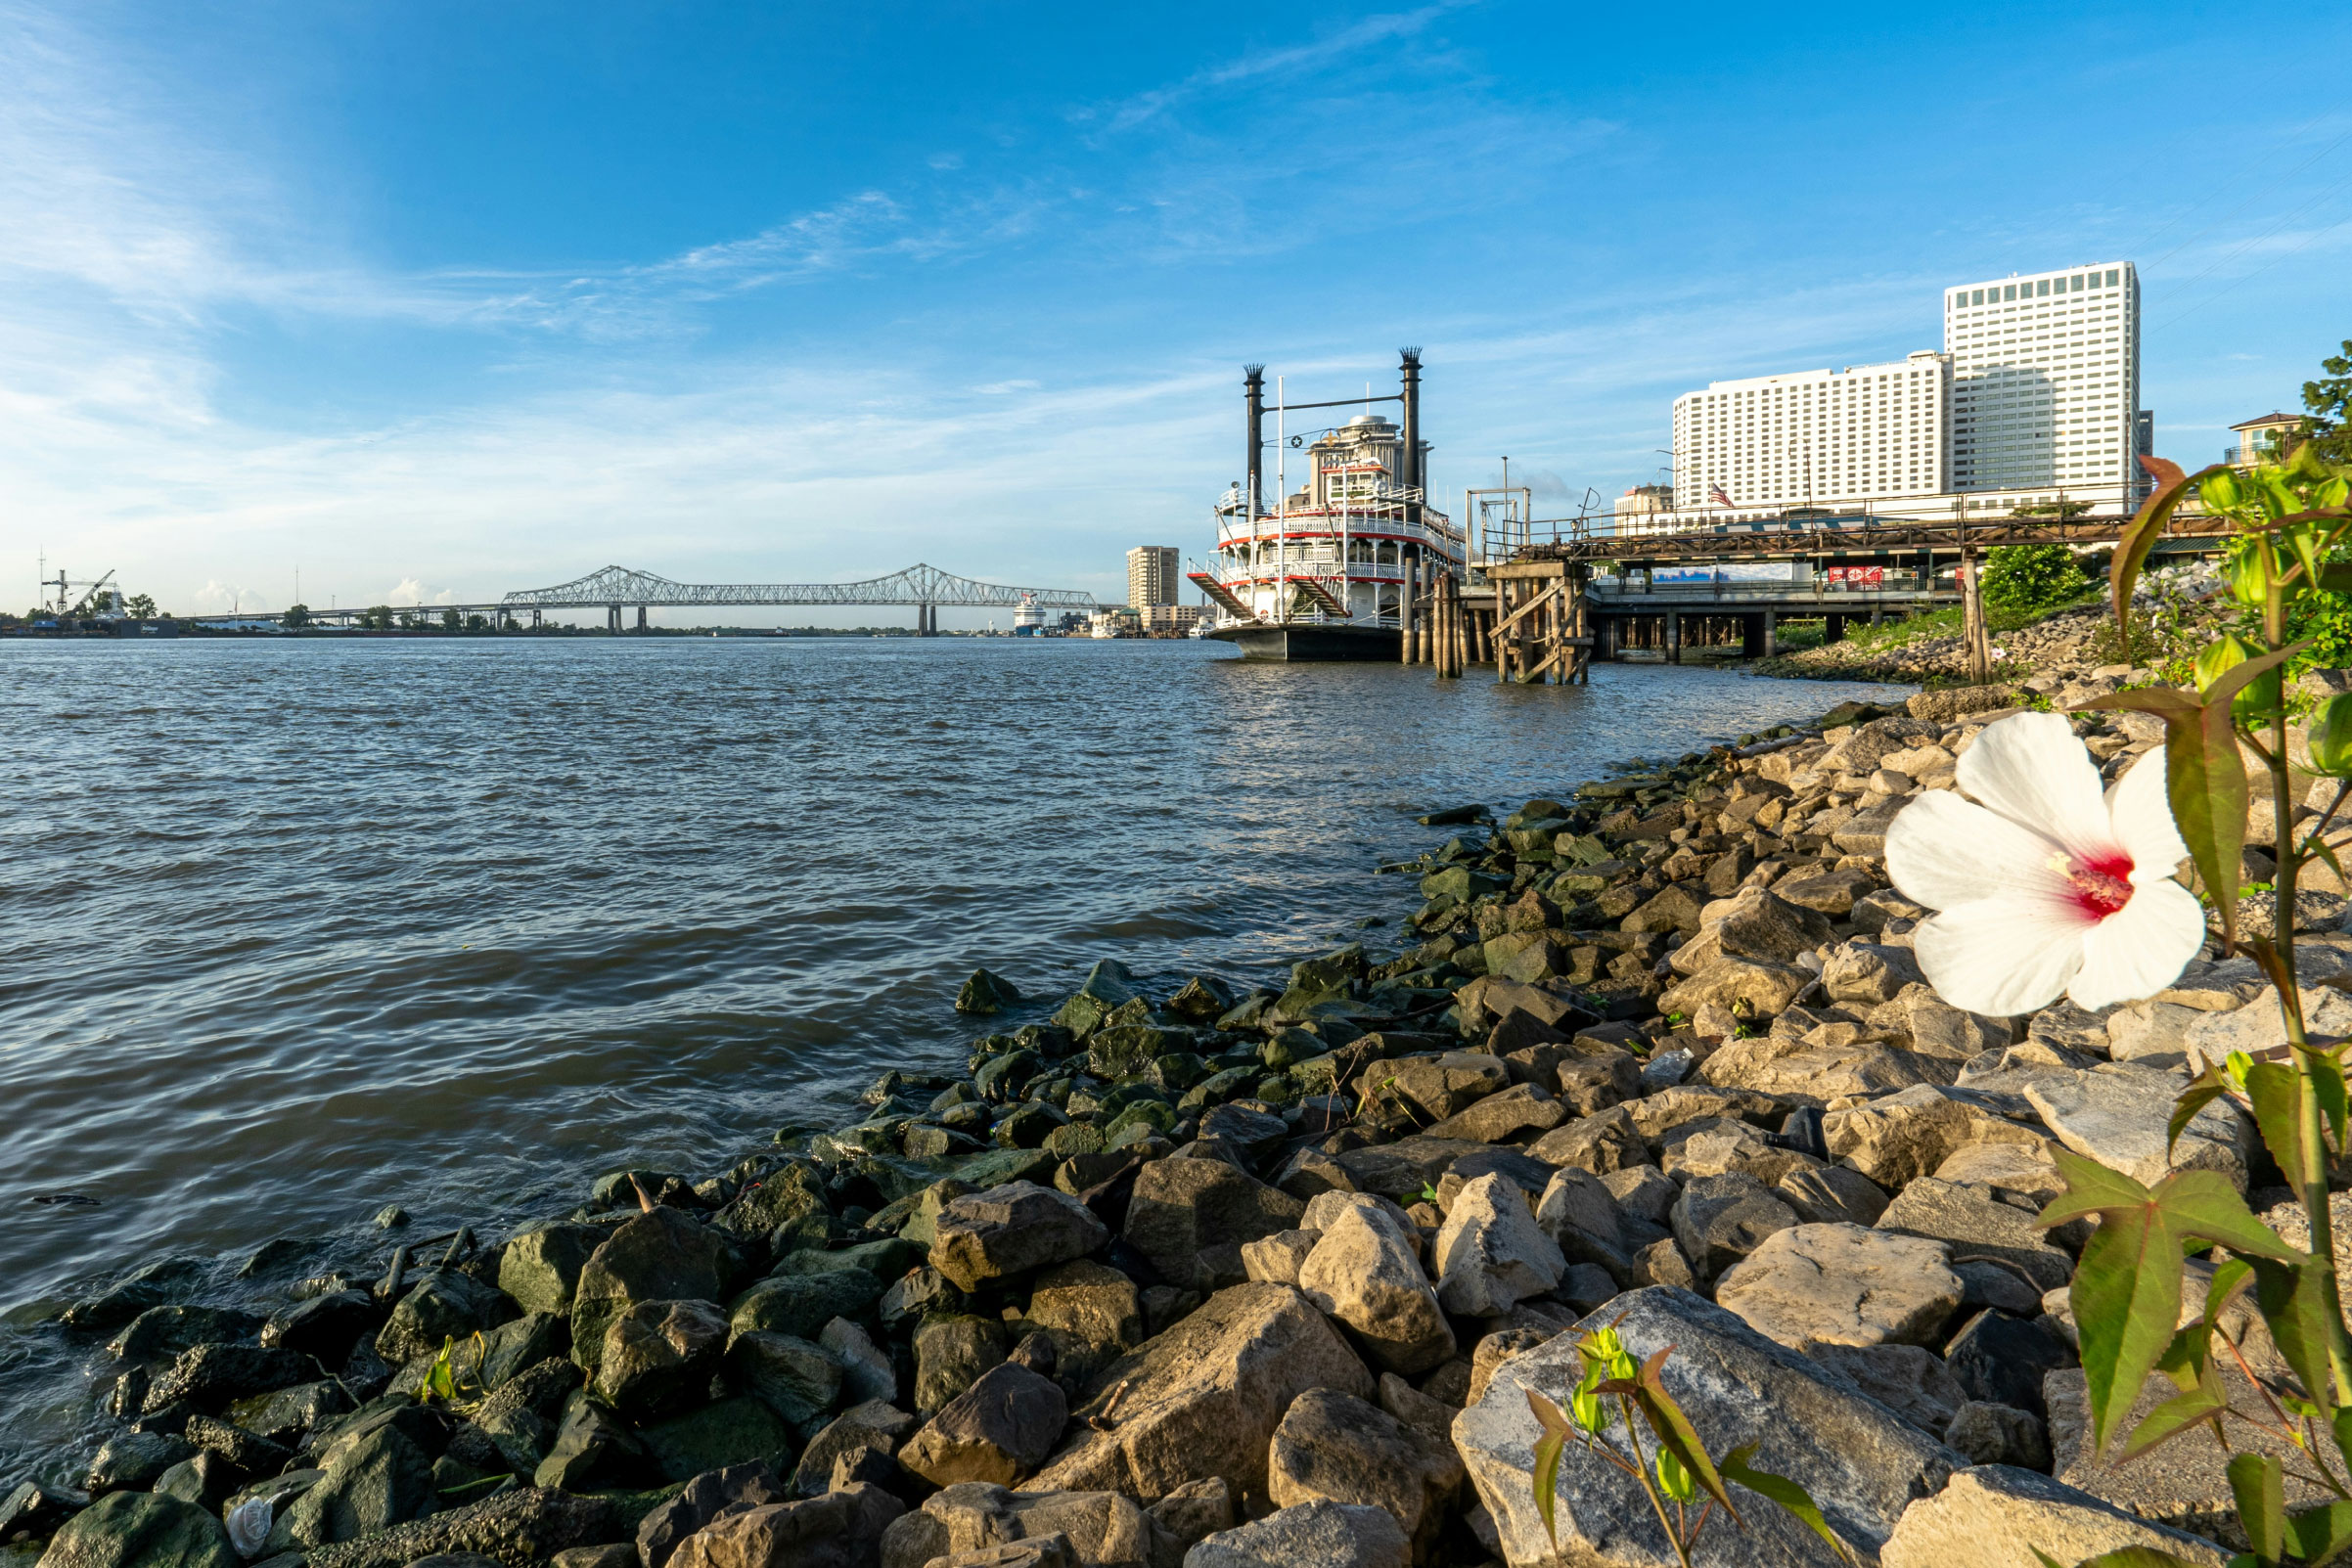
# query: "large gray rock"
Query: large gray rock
{"points": [[1012, 1230], [442, 1306], [1203, 1399], [1093, 1314], [1339, 1448], [873, 1426], [1861, 1463], [2184, 1484], [1579, 1211], [1094, 1527], [1908, 1379], [1491, 1254], [528, 1525], [701, 1500], [141, 1530], [1364, 1273], [1183, 1208], [1720, 1220], [1998, 1517], [2118, 1116], [133, 1461], [659, 1255], [1906, 1135], [375, 1483], [659, 1356], [797, 1380], [1312, 1534], [1977, 1226], [211, 1376], [1520, 1111], [1841, 1285], [1445, 1085], [998, 1430], [1831, 1194], [1604, 1141], [541, 1268], [802, 1304]]}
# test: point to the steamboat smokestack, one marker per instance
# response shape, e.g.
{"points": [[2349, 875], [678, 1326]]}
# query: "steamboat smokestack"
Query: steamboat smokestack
{"points": [[1253, 383], [1410, 468]]}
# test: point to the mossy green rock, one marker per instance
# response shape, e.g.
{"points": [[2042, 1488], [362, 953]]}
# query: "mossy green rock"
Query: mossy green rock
{"points": [[1149, 1113], [801, 1305], [884, 1260], [1459, 883], [141, 1530], [1001, 1077], [986, 993], [1075, 1137], [541, 1268], [725, 1432]]}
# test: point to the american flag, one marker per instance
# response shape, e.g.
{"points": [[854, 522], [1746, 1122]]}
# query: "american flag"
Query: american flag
{"points": [[1716, 496]]}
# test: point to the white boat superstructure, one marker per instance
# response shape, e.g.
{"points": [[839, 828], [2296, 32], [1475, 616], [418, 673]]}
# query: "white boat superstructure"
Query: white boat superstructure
{"points": [[1353, 541]]}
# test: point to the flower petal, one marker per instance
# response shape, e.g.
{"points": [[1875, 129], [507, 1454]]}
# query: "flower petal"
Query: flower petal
{"points": [[1943, 851], [2141, 813], [2032, 770], [2001, 957], [2142, 948]]}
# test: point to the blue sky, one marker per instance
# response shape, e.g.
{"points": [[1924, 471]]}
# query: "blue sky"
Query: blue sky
{"points": [[440, 299]]}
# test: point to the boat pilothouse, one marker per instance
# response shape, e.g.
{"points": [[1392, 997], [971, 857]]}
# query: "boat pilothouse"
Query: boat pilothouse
{"points": [[1327, 570]]}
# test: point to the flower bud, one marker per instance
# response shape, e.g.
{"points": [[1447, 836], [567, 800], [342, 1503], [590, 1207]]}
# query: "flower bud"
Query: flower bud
{"points": [[2219, 659], [2248, 572], [2234, 1068], [2330, 737], [1672, 1479]]}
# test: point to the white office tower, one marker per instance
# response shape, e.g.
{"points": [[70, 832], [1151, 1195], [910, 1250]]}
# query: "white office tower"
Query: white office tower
{"points": [[1869, 433], [2046, 388]]}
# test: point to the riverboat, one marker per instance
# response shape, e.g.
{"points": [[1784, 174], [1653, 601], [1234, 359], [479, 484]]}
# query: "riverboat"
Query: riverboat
{"points": [[1329, 569]]}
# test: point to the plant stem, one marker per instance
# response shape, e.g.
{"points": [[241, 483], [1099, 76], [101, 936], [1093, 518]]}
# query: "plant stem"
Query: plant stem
{"points": [[2312, 1180], [1640, 1472]]}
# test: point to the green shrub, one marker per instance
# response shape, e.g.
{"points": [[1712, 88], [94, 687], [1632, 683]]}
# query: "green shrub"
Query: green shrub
{"points": [[2034, 576]]}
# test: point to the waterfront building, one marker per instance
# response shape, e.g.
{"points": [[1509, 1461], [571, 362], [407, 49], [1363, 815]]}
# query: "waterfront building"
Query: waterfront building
{"points": [[2034, 399], [2258, 438], [1168, 620], [1636, 510], [1765, 444], [1151, 575], [2046, 388]]}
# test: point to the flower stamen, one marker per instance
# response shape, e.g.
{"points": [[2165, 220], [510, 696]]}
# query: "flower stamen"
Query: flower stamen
{"points": [[2101, 887]]}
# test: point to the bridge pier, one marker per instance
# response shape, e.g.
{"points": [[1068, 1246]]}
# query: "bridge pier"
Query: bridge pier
{"points": [[641, 626], [1674, 637], [1833, 628], [612, 619], [534, 620], [1758, 631]]}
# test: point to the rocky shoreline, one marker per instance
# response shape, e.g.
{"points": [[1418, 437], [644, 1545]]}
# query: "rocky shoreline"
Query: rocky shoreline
{"points": [[1194, 1274]]}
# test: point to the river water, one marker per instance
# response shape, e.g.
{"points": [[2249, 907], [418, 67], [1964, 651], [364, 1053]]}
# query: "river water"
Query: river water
{"points": [[291, 930]]}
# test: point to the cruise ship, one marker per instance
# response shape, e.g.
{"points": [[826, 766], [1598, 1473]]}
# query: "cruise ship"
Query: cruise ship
{"points": [[1325, 571]]}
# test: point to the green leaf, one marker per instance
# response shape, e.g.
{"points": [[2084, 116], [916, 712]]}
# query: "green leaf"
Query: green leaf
{"points": [[2293, 1302], [1674, 1430], [2179, 1413], [2142, 1558], [1547, 1457], [2279, 1113], [2336, 579], [2228, 1279], [2091, 1188], [2148, 525], [1784, 1491], [2126, 1298], [2259, 1484], [2322, 1534], [2202, 1090], [2331, 733]]}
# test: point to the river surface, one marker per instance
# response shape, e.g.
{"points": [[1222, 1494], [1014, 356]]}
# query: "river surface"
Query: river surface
{"points": [[293, 930]]}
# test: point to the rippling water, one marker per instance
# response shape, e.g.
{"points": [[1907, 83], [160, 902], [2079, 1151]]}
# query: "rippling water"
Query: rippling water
{"points": [[291, 929]]}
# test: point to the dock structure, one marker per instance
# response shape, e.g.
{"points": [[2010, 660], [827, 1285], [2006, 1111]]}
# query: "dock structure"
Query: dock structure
{"points": [[1541, 603]]}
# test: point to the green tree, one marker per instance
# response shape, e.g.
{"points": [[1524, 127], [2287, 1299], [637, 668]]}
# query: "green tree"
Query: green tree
{"points": [[2032, 577], [2328, 401], [452, 622], [296, 619], [141, 606], [2063, 510]]}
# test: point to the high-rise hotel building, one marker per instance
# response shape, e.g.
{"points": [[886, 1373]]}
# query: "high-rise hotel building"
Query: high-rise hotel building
{"points": [[2046, 384], [2035, 398]]}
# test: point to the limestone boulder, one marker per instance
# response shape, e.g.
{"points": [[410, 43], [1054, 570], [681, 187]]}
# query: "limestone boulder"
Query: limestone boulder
{"points": [[1759, 924], [1745, 987], [1364, 1273], [1094, 1529], [1863, 1463], [701, 1500], [1842, 1284], [1604, 1141], [1581, 1212], [2002, 1516], [1831, 1194], [1278, 1258], [998, 1430], [2118, 1116], [838, 1530], [1998, 1434], [1491, 1254], [1523, 1110], [1909, 1379], [1862, 974], [1203, 1399], [1340, 1449], [1444, 1084], [1012, 1230], [1310, 1534], [1904, 1136], [1974, 1225]]}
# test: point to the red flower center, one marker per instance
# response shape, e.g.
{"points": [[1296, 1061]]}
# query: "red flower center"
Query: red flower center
{"points": [[2102, 885]]}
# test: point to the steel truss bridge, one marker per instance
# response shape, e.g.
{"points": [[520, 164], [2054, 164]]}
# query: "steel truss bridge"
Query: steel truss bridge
{"points": [[925, 588]]}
